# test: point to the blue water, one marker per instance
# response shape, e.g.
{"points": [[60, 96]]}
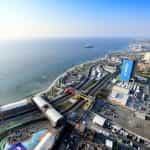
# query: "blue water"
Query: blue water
{"points": [[27, 66]]}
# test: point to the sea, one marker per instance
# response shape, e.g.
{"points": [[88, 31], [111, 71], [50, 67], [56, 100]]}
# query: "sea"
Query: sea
{"points": [[30, 65]]}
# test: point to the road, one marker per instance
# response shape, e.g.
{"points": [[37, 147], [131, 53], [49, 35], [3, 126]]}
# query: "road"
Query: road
{"points": [[87, 79], [33, 109], [99, 84]]}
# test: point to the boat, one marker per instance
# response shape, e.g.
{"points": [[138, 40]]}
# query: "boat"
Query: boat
{"points": [[88, 46]]}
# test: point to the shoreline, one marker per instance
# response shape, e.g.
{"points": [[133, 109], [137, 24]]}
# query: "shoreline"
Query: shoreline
{"points": [[46, 89], [67, 70]]}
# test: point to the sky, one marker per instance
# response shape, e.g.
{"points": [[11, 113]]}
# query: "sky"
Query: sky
{"points": [[65, 18]]}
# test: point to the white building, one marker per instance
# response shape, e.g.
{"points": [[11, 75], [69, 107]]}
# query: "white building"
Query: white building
{"points": [[119, 95], [109, 143], [98, 120]]}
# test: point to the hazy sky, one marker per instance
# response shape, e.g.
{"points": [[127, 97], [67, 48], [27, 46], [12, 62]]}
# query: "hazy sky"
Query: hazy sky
{"points": [[42, 18]]}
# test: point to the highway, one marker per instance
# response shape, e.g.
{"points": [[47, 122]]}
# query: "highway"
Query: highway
{"points": [[32, 109], [99, 85], [81, 85], [65, 96], [77, 87], [84, 87], [72, 108], [88, 78]]}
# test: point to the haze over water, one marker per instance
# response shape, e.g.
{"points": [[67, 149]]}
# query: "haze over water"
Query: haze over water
{"points": [[27, 66]]}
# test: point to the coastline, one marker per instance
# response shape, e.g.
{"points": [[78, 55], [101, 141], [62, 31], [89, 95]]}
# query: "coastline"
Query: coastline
{"points": [[46, 89], [17, 87], [68, 70]]}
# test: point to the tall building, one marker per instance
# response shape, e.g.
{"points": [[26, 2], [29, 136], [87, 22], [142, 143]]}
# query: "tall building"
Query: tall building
{"points": [[127, 69]]}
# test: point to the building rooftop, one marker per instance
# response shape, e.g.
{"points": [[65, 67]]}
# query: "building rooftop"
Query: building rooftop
{"points": [[119, 95]]}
